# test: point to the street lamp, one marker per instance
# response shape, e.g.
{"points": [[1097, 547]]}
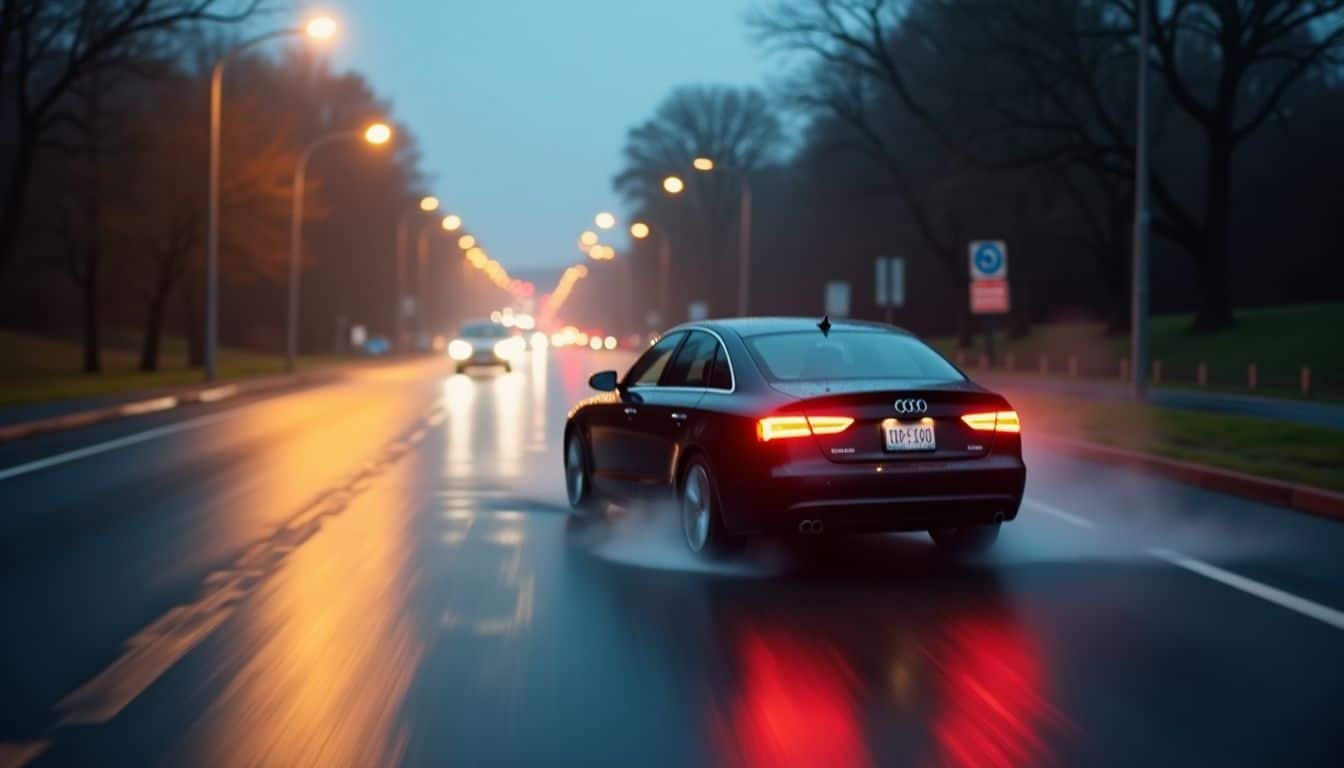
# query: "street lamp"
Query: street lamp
{"points": [[376, 134], [639, 230], [704, 165], [466, 242], [318, 28], [452, 223], [673, 185], [604, 220], [427, 204]]}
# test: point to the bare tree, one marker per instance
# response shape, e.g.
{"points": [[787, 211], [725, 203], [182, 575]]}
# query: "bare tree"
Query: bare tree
{"points": [[47, 46], [1227, 64], [739, 131]]}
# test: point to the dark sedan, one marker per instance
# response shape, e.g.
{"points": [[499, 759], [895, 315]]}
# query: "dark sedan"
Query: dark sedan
{"points": [[767, 425]]}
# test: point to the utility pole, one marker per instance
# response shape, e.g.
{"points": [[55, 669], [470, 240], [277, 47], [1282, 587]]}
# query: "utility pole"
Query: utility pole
{"points": [[1138, 332]]}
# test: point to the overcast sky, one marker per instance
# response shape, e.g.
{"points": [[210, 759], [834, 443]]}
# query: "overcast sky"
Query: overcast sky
{"points": [[521, 106]]}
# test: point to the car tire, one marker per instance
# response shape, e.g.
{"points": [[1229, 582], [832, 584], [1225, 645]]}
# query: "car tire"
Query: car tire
{"points": [[579, 476], [699, 511], [971, 538]]}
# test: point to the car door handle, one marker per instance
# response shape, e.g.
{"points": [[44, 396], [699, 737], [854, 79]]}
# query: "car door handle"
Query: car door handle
{"points": [[630, 410], [678, 417]]}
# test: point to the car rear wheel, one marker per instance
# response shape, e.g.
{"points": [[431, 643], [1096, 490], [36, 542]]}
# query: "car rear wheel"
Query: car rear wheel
{"points": [[578, 476], [971, 538], [701, 522]]}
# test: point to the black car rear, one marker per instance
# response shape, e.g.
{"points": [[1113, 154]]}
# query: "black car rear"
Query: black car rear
{"points": [[850, 426]]}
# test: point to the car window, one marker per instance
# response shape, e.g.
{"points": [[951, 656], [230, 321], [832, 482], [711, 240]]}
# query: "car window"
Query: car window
{"points": [[691, 366], [649, 367], [721, 374], [809, 356]]}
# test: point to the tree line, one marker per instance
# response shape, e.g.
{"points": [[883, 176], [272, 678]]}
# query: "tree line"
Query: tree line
{"points": [[910, 127], [104, 133]]}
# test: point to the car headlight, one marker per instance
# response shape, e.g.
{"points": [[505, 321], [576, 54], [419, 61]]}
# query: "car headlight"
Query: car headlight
{"points": [[511, 348], [459, 349]]}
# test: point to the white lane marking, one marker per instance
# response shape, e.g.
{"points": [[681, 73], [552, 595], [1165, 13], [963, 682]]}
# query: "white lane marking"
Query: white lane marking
{"points": [[1251, 587], [112, 445], [217, 393], [1081, 522], [149, 406]]}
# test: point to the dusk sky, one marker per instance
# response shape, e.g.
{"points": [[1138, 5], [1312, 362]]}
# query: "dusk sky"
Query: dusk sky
{"points": [[521, 106]]}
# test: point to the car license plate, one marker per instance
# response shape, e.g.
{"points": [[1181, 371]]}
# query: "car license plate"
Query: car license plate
{"points": [[917, 436]]}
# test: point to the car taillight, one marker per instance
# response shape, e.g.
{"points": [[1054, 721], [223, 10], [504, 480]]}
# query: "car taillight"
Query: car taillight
{"points": [[994, 421], [781, 427]]}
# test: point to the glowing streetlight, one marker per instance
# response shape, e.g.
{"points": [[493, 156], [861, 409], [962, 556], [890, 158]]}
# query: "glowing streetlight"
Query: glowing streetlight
{"points": [[639, 230], [466, 242], [588, 238], [605, 220], [378, 134], [320, 28], [673, 185], [703, 164], [429, 203], [452, 222]]}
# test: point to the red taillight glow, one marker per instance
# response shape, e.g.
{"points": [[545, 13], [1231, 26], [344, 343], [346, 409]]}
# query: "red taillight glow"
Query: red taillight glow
{"points": [[994, 421], [781, 427]]}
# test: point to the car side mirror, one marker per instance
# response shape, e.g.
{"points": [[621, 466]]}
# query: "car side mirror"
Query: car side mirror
{"points": [[603, 382]]}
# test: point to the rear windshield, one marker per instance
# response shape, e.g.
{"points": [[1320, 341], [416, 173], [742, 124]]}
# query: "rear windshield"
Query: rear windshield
{"points": [[809, 356], [484, 331]]}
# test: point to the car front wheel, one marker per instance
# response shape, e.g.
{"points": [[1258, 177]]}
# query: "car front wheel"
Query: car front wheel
{"points": [[578, 476]]}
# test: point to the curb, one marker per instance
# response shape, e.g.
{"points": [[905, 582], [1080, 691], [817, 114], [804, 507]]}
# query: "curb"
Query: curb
{"points": [[1304, 498], [163, 400]]}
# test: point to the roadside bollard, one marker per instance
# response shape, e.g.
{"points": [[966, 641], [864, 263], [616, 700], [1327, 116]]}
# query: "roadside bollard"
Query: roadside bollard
{"points": [[1157, 372], [1045, 364], [1124, 369], [1202, 374], [1306, 380], [1250, 377], [1073, 366]]}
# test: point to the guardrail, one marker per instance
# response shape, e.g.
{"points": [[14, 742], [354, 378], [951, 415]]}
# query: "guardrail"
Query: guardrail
{"points": [[1247, 377]]}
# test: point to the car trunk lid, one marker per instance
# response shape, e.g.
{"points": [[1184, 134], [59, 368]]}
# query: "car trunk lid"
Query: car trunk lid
{"points": [[923, 418]]}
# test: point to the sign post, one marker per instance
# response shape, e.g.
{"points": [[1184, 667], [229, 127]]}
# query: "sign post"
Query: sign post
{"points": [[889, 285], [989, 285]]}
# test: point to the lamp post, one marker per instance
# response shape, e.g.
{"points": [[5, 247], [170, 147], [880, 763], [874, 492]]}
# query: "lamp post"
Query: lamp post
{"points": [[705, 165], [427, 204], [640, 231], [319, 28], [1138, 321], [376, 135]]}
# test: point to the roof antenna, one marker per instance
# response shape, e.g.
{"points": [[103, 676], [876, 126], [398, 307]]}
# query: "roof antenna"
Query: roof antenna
{"points": [[825, 326]]}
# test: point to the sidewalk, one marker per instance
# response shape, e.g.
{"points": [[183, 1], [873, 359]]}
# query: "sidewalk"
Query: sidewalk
{"points": [[1308, 413]]}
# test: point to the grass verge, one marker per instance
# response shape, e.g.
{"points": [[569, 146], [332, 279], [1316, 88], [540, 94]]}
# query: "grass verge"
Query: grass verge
{"points": [[1272, 449], [39, 369]]}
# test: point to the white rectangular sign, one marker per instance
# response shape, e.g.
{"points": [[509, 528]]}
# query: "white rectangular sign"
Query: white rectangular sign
{"points": [[837, 298], [889, 282]]}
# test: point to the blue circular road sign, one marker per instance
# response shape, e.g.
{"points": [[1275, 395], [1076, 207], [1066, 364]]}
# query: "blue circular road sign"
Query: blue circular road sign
{"points": [[988, 259]]}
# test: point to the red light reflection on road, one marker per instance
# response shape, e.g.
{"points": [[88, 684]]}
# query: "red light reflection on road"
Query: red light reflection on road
{"points": [[992, 702], [796, 705]]}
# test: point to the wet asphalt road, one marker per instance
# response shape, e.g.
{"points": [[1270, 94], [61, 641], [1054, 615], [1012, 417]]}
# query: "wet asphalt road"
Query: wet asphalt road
{"points": [[382, 571]]}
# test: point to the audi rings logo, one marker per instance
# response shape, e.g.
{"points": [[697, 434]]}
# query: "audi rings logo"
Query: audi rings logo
{"points": [[912, 405]]}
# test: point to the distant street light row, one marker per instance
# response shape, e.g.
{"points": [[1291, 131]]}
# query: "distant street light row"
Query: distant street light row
{"points": [[320, 28]]}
